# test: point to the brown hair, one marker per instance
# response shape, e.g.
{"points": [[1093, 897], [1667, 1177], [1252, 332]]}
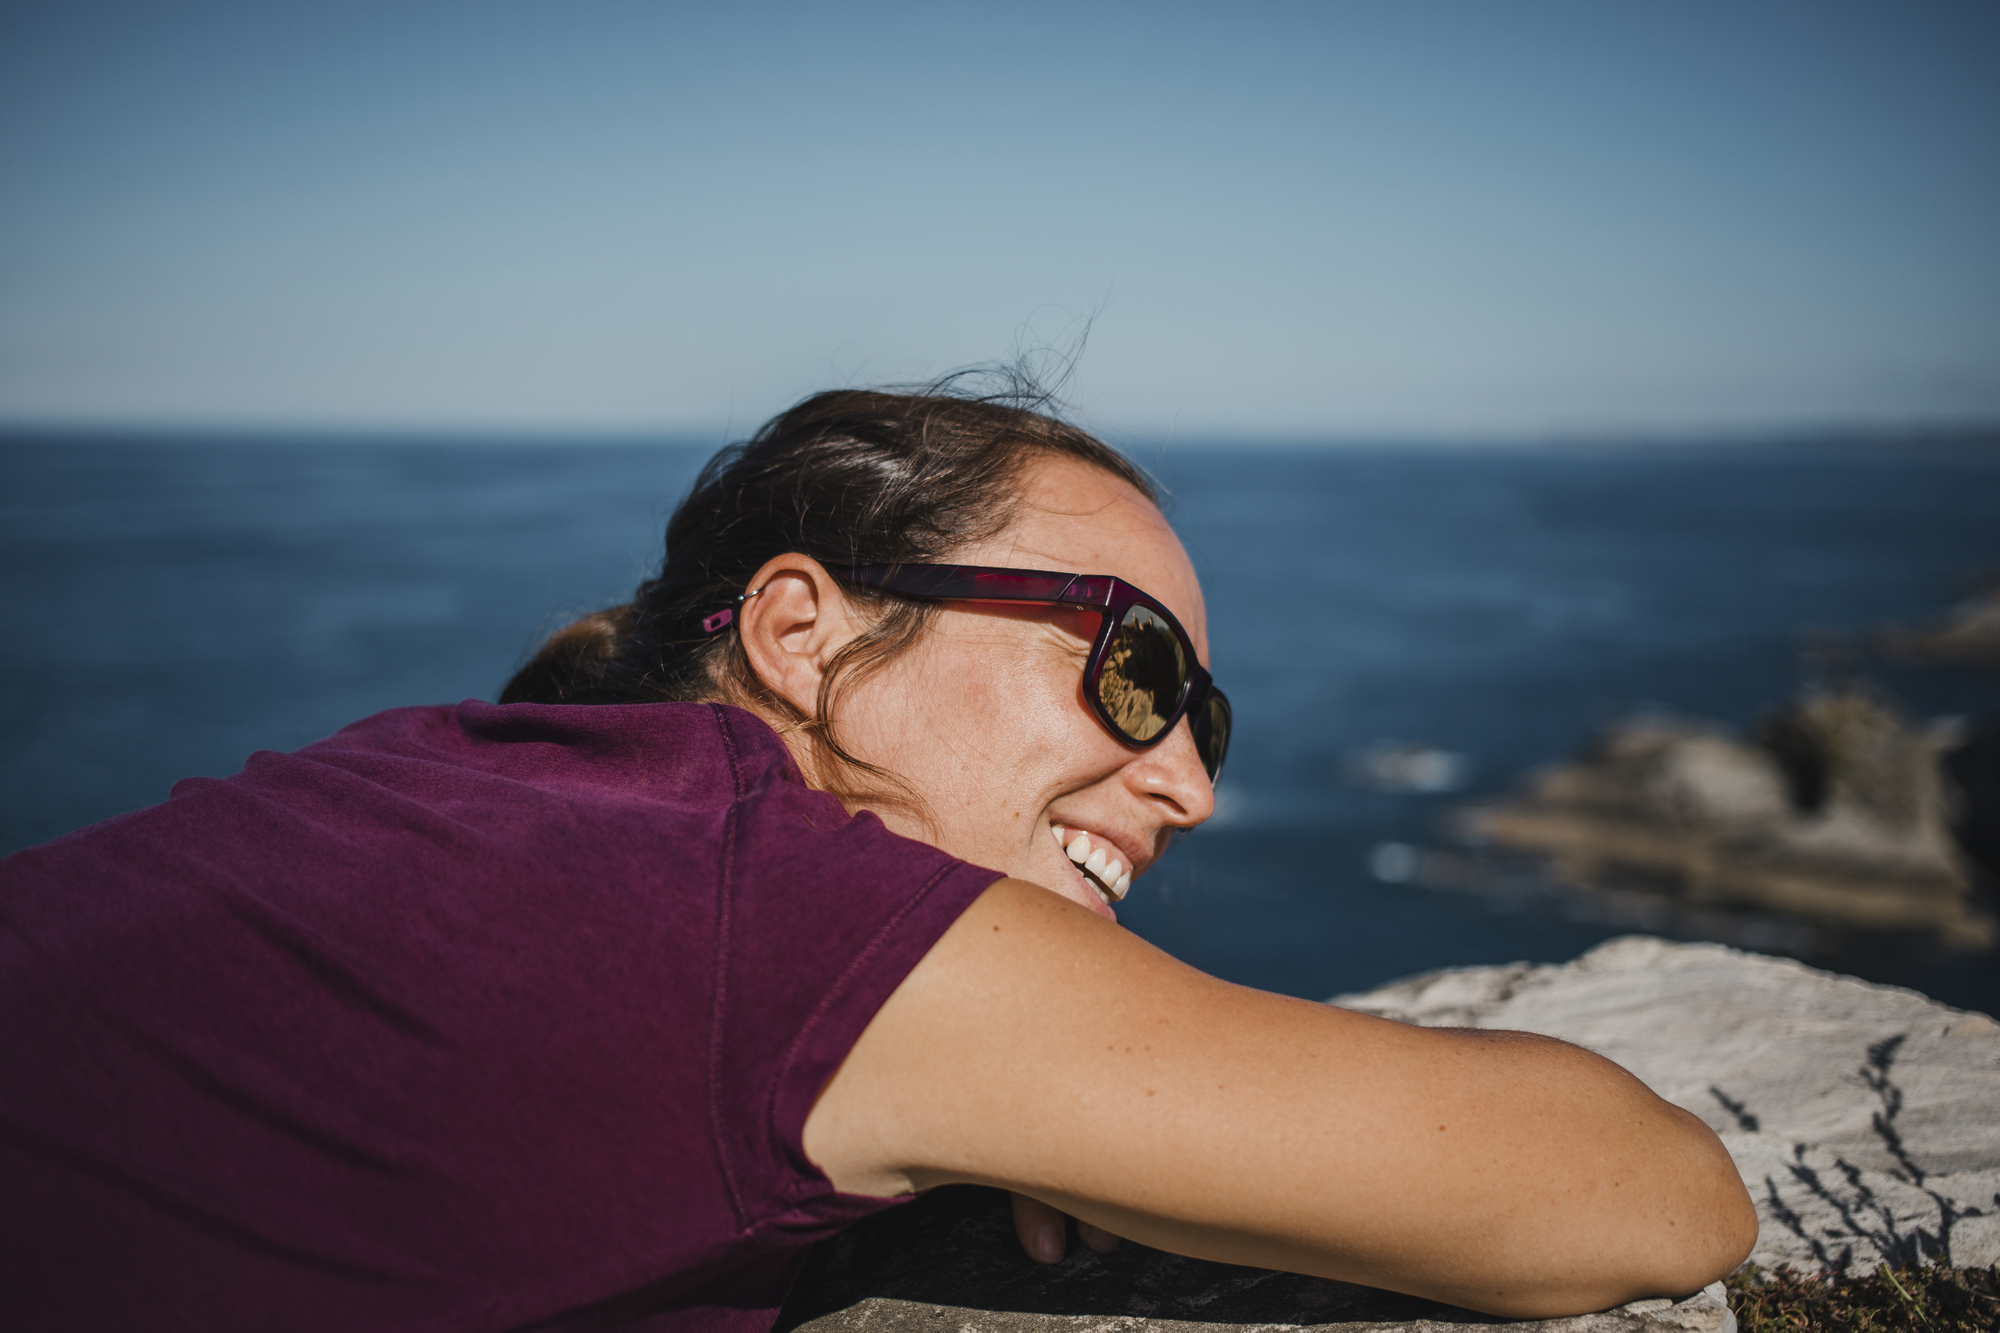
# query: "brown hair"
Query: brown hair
{"points": [[849, 477]]}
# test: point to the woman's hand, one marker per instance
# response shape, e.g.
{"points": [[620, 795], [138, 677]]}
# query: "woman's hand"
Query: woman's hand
{"points": [[1044, 1231]]}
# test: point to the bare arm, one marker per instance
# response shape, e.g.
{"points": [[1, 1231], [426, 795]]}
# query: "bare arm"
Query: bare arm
{"points": [[1043, 1049]]}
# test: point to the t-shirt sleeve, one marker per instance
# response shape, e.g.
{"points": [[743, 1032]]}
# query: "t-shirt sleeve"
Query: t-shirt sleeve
{"points": [[820, 916]]}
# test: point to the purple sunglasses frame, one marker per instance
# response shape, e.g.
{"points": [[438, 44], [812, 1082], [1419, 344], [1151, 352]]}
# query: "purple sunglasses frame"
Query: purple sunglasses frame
{"points": [[1097, 592]]}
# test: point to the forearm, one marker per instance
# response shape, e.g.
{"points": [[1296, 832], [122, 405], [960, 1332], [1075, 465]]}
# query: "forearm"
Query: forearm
{"points": [[1533, 1179], [1498, 1171], [1047, 1051]]}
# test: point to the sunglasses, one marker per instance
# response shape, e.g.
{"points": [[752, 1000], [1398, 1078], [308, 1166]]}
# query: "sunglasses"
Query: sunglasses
{"points": [[1141, 676]]}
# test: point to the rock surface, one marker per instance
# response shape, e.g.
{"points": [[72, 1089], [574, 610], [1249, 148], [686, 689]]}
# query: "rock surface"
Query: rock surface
{"points": [[1865, 1119]]}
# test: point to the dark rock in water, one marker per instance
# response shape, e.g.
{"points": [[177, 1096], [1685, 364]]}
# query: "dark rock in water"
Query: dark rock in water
{"points": [[1970, 636], [1839, 813], [949, 1262], [1974, 768]]}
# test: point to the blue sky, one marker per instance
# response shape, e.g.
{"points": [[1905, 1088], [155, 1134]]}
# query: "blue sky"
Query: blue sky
{"points": [[1332, 220]]}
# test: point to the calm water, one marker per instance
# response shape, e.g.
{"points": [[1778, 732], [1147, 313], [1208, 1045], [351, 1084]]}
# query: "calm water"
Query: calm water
{"points": [[172, 606]]}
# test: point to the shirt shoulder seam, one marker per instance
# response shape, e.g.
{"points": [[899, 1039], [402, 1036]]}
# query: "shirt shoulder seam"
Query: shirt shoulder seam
{"points": [[719, 983], [839, 988]]}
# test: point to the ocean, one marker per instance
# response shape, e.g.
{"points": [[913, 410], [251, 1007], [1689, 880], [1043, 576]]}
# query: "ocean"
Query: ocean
{"points": [[174, 603]]}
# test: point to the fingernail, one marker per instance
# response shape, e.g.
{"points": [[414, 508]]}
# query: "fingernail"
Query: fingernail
{"points": [[1049, 1242]]}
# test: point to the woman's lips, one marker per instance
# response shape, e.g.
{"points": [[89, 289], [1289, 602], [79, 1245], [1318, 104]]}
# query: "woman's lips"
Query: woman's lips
{"points": [[1101, 865]]}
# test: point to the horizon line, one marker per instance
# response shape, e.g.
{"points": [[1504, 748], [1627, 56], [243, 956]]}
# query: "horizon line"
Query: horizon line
{"points": [[1970, 430]]}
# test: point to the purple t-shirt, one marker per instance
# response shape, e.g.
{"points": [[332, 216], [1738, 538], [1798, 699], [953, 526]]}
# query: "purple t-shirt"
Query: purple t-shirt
{"points": [[463, 1018]]}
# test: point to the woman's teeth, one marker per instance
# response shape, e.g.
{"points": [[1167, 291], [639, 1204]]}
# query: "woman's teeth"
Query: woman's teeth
{"points": [[1106, 872]]}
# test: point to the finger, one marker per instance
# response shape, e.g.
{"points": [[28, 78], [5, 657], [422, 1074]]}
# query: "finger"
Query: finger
{"points": [[1040, 1228], [1097, 1238]]}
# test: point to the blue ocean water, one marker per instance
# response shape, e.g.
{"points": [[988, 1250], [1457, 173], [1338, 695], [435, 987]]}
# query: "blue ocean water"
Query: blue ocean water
{"points": [[173, 604]]}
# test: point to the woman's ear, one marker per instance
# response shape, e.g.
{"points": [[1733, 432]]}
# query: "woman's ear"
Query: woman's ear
{"points": [[798, 619]]}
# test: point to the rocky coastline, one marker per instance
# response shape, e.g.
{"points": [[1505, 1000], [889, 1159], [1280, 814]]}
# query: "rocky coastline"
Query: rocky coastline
{"points": [[1969, 636], [1837, 811]]}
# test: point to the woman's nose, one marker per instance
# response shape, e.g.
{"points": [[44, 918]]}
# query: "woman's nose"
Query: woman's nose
{"points": [[1171, 775]]}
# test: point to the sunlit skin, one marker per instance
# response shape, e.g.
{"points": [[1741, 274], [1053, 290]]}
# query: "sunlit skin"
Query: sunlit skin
{"points": [[1041, 1048]]}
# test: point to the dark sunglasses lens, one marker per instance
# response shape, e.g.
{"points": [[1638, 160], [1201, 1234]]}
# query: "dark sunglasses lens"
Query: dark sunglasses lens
{"points": [[1210, 725], [1143, 675]]}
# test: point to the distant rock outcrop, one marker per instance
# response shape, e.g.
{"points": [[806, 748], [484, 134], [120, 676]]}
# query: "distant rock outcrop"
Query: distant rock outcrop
{"points": [[1969, 636], [1836, 812], [1865, 1120]]}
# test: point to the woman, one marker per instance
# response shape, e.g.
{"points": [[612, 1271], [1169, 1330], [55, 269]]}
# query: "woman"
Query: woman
{"points": [[758, 904]]}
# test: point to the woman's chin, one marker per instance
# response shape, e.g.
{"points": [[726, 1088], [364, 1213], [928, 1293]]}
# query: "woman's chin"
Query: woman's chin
{"points": [[1079, 890]]}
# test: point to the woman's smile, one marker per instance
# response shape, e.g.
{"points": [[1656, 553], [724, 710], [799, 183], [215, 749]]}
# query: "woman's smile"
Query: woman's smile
{"points": [[1098, 860]]}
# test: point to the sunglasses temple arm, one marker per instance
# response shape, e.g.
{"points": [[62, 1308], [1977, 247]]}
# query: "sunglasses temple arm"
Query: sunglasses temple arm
{"points": [[977, 583], [1083, 590]]}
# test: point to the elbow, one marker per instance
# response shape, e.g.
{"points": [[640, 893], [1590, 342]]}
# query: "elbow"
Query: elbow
{"points": [[1743, 1237], [1672, 1254], [1723, 1239], [1706, 1227], [1695, 1225], [1725, 1230]]}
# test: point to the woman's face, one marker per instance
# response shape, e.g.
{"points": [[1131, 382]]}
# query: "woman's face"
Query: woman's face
{"points": [[986, 719]]}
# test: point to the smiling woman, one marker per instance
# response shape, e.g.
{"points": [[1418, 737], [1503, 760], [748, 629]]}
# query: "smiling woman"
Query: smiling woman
{"points": [[799, 580], [759, 904]]}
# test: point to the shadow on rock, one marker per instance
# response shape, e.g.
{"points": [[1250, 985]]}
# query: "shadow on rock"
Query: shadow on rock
{"points": [[1859, 1215], [955, 1248]]}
